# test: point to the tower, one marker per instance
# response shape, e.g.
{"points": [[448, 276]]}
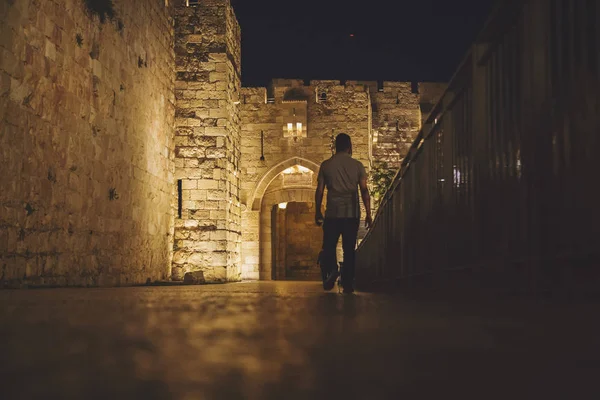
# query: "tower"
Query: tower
{"points": [[207, 141]]}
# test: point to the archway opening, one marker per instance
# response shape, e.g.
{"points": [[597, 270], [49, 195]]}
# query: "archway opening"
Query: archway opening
{"points": [[296, 242], [267, 237]]}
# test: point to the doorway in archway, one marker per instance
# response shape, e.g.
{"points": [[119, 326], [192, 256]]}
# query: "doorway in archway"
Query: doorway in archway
{"points": [[296, 242]]}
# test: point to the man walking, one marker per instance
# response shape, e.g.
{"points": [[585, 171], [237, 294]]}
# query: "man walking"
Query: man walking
{"points": [[342, 175]]}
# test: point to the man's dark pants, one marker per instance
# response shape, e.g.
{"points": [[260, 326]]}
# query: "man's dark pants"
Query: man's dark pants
{"points": [[348, 229]]}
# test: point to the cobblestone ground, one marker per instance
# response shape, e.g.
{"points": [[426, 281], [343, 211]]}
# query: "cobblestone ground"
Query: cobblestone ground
{"points": [[289, 341]]}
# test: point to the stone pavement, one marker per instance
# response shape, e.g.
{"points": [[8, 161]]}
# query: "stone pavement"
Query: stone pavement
{"points": [[290, 340]]}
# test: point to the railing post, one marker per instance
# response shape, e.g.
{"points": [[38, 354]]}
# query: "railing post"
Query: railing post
{"points": [[479, 157], [444, 222]]}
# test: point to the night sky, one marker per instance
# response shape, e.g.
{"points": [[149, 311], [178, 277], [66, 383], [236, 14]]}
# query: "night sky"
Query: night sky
{"points": [[421, 40]]}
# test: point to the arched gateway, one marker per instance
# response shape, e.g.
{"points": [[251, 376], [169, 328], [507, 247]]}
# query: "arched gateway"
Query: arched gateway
{"points": [[241, 152], [278, 239]]}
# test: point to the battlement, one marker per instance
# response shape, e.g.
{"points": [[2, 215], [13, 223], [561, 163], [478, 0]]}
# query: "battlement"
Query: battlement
{"points": [[202, 3], [374, 86], [380, 91]]}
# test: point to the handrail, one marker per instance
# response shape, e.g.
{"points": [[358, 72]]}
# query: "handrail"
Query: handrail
{"points": [[493, 159], [504, 12]]}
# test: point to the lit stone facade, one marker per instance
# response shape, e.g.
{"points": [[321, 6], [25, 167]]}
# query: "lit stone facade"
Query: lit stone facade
{"points": [[207, 142], [130, 152], [86, 143], [382, 122]]}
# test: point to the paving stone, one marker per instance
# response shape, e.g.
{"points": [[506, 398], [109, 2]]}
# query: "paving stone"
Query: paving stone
{"points": [[291, 340]]}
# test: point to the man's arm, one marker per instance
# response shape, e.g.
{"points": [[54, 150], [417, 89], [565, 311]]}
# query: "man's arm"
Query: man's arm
{"points": [[319, 202], [366, 198]]}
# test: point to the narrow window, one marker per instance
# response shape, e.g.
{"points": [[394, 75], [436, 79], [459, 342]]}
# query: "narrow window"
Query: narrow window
{"points": [[414, 86], [290, 127], [323, 96], [299, 128], [179, 198]]}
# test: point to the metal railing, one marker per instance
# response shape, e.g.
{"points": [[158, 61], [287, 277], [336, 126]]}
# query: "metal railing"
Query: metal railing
{"points": [[503, 173]]}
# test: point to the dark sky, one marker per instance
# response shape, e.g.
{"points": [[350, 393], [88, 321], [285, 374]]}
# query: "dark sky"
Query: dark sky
{"points": [[420, 40]]}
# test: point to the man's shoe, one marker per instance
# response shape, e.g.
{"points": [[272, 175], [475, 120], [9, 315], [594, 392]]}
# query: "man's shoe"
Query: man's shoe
{"points": [[329, 283], [348, 290]]}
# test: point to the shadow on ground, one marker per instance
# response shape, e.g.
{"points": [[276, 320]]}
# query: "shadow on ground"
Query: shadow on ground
{"points": [[290, 340]]}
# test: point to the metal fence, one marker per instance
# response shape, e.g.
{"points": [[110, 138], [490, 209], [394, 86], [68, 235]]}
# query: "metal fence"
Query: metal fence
{"points": [[503, 175]]}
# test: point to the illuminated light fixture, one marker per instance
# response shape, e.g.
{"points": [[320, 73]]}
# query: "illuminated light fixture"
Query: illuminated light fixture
{"points": [[296, 169], [457, 176], [283, 206]]}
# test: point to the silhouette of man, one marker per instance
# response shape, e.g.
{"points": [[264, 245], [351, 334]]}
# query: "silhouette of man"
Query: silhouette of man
{"points": [[342, 175]]}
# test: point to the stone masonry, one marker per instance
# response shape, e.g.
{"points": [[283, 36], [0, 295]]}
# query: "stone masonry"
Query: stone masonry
{"points": [[86, 130], [207, 141], [303, 240], [382, 123], [130, 152], [330, 108]]}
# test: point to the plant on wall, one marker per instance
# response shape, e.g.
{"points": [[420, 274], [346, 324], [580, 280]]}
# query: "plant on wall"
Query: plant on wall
{"points": [[381, 178], [102, 8]]}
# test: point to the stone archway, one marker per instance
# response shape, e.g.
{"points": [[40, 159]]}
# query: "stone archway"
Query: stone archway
{"points": [[254, 200], [272, 199], [275, 186]]}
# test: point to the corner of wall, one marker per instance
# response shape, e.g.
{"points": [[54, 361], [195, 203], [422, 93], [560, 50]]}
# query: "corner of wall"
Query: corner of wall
{"points": [[207, 143]]}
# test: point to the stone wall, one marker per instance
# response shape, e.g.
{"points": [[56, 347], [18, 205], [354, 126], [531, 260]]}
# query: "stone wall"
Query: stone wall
{"points": [[399, 111], [207, 233], [331, 108], [86, 126], [303, 241], [130, 149], [396, 122], [297, 242]]}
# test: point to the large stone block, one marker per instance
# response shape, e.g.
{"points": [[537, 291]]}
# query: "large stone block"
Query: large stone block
{"points": [[194, 278]]}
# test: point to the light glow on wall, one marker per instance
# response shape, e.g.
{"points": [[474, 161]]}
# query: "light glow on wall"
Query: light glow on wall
{"points": [[296, 169]]}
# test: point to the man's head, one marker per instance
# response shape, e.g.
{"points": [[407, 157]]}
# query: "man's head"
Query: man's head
{"points": [[343, 143]]}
